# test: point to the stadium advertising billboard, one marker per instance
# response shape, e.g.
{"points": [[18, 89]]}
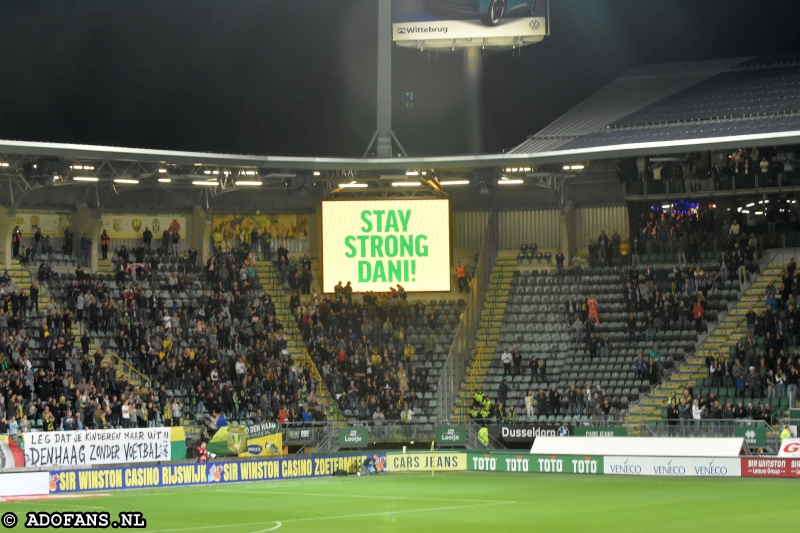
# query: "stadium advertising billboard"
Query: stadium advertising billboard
{"points": [[770, 467], [469, 20], [426, 462], [521, 436], [101, 446], [535, 464], [129, 477], [673, 466], [376, 244]]}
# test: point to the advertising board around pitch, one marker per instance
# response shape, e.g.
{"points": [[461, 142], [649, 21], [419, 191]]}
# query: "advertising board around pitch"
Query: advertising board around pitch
{"points": [[673, 466], [451, 436], [377, 244]]}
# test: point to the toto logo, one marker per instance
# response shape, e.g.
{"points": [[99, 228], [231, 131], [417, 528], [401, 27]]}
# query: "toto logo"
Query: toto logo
{"points": [[792, 447]]}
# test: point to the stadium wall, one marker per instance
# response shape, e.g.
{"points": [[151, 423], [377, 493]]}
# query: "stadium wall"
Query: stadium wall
{"points": [[125, 477], [590, 220]]}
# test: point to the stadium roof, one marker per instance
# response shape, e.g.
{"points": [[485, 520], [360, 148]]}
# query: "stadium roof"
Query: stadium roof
{"points": [[709, 103], [650, 110]]}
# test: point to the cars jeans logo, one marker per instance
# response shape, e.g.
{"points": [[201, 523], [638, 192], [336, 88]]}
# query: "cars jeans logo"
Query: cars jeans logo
{"points": [[534, 25]]}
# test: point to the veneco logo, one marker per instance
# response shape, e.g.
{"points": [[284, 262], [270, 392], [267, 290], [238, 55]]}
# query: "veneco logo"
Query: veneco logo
{"points": [[669, 470], [710, 471], [626, 469], [421, 29]]}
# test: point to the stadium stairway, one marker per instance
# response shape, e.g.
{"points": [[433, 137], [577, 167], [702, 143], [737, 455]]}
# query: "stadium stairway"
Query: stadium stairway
{"points": [[297, 349], [722, 339], [22, 278], [488, 336]]}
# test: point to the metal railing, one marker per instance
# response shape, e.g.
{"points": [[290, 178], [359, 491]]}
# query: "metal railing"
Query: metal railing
{"points": [[129, 370], [458, 358], [706, 427]]}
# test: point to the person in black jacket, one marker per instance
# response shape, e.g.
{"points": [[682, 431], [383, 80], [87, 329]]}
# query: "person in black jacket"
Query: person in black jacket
{"points": [[86, 250], [516, 358]]}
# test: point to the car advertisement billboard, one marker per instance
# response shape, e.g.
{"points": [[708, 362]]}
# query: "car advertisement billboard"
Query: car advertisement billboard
{"points": [[378, 244], [417, 20]]}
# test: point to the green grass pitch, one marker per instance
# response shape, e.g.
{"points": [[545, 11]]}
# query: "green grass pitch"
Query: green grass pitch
{"points": [[462, 502]]}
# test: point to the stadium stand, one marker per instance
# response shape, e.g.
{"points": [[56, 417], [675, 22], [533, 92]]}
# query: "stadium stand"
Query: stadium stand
{"points": [[213, 315], [673, 296], [378, 350], [760, 332]]}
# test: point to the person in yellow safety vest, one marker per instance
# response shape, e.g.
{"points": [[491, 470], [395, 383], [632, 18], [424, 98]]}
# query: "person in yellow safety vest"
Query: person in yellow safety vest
{"points": [[473, 413], [487, 403], [786, 433], [477, 396], [483, 436], [485, 413]]}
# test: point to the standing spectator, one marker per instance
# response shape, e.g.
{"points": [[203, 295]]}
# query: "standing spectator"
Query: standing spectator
{"points": [[641, 168], [104, 242], [461, 274], [86, 250], [16, 239], [578, 326], [38, 238], [175, 239], [147, 238], [697, 415], [507, 360], [165, 241], [560, 261], [517, 359], [529, 405], [591, 303], [69, 237]]}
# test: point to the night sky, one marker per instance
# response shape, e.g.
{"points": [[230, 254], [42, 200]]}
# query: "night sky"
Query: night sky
{"points": [[298, 77]]}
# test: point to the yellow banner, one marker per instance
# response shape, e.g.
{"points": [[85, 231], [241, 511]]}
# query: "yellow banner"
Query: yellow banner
{"points": [[426, 462], [127, 226], [232, 227], [263, 439], [52, 223]]}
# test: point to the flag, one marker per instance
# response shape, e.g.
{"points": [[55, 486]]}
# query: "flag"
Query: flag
{"points": [[11, 455], [177, 438], [228, 441], [263, 439]]}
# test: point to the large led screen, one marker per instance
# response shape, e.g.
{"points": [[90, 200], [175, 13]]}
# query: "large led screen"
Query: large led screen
{"points": [[376, 244]]}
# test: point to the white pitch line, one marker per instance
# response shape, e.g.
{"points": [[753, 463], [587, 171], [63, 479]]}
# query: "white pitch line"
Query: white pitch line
{"points": [[270, 529], [313, 518], [327, 495]]}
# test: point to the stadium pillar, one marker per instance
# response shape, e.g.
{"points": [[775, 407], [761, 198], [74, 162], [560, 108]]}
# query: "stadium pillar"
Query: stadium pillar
{"points": [[6, 226], [384, 130], [201, 235], [89, 221], [567, 234], [473, 75]]}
